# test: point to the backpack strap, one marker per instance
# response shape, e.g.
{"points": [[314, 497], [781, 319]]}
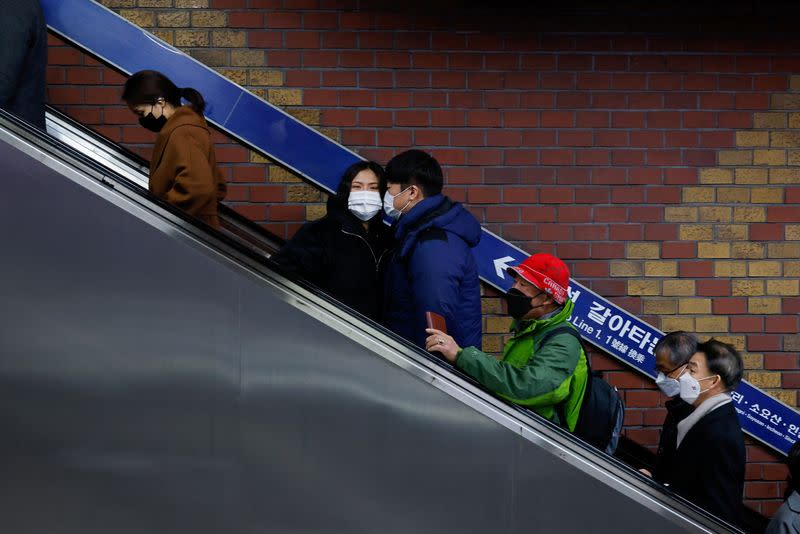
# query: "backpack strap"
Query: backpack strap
{"points": [[561, 329], [566, 329]]}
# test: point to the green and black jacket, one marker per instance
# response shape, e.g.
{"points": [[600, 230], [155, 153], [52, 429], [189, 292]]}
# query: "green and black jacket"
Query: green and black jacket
{"points": [[537, 377]]}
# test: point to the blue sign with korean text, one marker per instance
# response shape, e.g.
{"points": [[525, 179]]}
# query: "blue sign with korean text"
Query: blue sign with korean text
{"points": [[320, 160], [614, 330], [631, 340], [766, 419]]}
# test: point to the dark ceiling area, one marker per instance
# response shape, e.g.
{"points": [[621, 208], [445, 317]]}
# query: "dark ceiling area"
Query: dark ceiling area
{"points": [[763, 18]]}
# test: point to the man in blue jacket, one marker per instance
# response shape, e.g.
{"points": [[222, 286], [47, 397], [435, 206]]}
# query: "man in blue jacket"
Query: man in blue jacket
{"points": [[432, 267]]}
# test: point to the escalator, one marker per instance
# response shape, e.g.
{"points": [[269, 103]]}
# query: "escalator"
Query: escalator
{"points": [[158, 376]]}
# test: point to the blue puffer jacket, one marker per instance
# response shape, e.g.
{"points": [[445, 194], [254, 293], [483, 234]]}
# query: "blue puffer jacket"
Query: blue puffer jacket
{"points": [[433, 269]]}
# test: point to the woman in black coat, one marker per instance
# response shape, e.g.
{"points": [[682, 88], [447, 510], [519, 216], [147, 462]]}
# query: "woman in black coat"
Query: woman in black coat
{"points": [[344, 252]]}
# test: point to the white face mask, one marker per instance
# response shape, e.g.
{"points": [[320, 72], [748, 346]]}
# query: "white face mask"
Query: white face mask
{"points": [[364, 204], [668, 386], [690, 387], [388, 204]]}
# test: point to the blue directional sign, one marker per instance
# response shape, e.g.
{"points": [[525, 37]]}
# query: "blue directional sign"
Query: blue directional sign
{"points": [[320, 160], [631, 340]]}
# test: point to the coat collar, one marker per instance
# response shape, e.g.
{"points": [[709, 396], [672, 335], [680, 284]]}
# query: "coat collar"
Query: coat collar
{"points": [[793, 501], [526, 327], [706, 407], [183, 116], [422, 216], [419, 214]]}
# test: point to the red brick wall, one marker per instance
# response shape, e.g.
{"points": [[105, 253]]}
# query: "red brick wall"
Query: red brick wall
{"points": [[664, 166]]}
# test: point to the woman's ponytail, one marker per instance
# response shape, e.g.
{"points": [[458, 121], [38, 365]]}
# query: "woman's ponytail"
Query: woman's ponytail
{"points": [[195, 99], [147, 86]]}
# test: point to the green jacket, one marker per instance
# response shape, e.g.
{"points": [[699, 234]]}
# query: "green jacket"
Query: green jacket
{"points": [[536, 377]]}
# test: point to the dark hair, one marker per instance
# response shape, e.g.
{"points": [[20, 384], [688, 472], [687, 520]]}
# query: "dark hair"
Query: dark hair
{"points": [[147, 86], [415, 167], [343, 191], [679, 345], [723, 360], [793, 461]]}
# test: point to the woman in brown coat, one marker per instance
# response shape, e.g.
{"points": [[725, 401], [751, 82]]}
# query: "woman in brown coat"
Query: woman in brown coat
{"points": [[183, 170]]}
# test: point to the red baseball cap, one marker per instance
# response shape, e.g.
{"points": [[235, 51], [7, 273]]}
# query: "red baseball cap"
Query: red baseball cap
{"points": [[546, 272]]}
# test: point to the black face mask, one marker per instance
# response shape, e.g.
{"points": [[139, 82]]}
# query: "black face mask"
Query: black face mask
{"points": [[152, 123], [518, 303]]}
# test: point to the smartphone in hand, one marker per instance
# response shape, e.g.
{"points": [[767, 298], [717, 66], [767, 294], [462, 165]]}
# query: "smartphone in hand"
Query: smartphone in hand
{"points": [[434, 320]]}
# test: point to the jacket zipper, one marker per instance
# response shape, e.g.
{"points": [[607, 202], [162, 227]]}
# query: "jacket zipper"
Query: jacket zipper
{"points": [[378, 264], [375, 258]]}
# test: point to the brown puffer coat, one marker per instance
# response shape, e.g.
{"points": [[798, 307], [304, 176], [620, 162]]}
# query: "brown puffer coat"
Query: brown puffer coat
{"points": [[184, 170]]}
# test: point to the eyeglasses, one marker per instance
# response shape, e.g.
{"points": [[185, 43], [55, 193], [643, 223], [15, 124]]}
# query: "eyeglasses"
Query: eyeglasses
{"points": [[667, 373]]}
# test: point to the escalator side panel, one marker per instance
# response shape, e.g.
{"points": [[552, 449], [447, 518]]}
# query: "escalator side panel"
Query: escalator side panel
{"points": [[116, 397]]}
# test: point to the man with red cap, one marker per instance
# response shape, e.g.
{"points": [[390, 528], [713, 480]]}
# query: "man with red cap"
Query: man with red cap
{"points": [[546, 373]]}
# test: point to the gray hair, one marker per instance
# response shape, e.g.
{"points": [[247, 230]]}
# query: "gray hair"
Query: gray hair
{"points": [[679, 345], [723, 360]]}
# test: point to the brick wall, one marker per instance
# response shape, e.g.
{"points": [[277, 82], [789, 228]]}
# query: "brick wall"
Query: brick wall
{"points": [[663, 165]]}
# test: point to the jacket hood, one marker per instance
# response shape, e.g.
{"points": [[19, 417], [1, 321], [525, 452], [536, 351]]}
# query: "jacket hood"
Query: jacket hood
{"points": [[183, 116], [440, 212], [334, 206]]}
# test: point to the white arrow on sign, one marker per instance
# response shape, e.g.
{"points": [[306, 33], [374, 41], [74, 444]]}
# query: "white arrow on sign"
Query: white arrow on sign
{"points": [[501, 264]]}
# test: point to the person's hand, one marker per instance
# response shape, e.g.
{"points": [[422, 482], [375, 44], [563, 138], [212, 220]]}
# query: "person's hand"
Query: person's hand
{"points": [[440, 342], [646, 473]]}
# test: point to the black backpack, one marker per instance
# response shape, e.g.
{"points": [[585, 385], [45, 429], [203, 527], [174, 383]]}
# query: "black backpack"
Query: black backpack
{"points": [[602, 410]]}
